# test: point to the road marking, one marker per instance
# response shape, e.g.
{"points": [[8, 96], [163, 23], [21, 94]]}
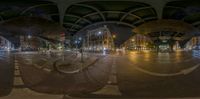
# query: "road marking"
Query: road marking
{"points": [[17, 76], [111, 88], [17, 72], [18, 81], [47, 69], [182, 72], [187, 60]]}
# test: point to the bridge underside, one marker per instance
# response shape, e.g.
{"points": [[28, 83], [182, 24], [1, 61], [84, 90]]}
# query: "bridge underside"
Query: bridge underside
{"points": [[72, 48]]}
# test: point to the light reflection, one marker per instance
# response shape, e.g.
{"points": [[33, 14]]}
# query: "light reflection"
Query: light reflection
{"points": [[147, 55], [196, 53], [133, 56], [178, 55]]}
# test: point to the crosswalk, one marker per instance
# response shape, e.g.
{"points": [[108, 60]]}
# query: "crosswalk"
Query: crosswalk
{"points": [[18, 82], [3, 56], [20, 89], [111, 88]]}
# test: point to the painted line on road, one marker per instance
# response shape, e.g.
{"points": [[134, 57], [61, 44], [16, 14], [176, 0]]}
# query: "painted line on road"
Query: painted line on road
{"points": [[112, 86], [18, 82], [182, 72]]}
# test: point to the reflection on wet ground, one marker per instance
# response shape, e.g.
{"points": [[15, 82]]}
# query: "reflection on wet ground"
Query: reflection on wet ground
{"points": [[133, 74], [6, 73], [147, 74], [89, 77]]}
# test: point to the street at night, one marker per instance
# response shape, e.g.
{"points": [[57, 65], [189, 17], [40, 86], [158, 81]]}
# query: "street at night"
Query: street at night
{"points": [[146, 74], [99, 49]]}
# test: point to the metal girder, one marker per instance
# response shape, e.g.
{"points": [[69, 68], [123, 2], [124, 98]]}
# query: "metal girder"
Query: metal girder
{"points": [[133, 15], [174, 7], [134, 10], [79, 18], [107, 22], [1, 18], [35, 6], [177, 33], [118, 12], [158, 5], [75, 16], [196, 23], [142, 1], [72, 24], [54, 1], [148, 18], [72, 30], [180, 8], [94, 8]]}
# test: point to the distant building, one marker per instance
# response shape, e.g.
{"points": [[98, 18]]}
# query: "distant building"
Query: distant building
{"points": [[5, 44], [29, 43], [99, 39], [138, 42], [193, 43], [176, 46]]}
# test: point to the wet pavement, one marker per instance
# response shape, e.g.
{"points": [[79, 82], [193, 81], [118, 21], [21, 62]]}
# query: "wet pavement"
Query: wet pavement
{"points": [[147, 74], [6, 73], [88, 79], [130, 75]]}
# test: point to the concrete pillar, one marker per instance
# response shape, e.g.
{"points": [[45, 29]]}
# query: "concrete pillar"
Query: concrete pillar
{"points": [[62, 8]]}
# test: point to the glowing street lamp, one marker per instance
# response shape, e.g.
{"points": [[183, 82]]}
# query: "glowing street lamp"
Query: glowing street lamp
{"points": [[99, 33], [114, 36], [29, 36], [79, 38]]}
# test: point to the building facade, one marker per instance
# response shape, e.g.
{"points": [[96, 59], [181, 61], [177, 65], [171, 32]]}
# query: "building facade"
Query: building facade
{"points": [[138, 42], [99, 39]]}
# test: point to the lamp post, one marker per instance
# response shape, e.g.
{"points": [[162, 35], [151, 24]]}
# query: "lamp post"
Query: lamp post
{"points": [[81, 48], [114, 37]]}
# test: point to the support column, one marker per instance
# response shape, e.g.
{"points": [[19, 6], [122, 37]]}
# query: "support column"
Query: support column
{"points": [[159, 9], [158, 6], [62, 8]]}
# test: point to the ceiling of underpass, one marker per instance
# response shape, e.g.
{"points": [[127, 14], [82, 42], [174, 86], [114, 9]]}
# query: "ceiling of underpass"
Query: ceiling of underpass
{"points": [[76, 15]]}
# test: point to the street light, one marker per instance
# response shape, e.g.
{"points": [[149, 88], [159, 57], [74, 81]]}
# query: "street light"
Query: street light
{"points": [[114, 36], [29, 36], [99, 33], [79, 38]]}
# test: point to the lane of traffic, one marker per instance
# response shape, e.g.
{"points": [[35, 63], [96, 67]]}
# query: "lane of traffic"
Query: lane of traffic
{"points": [[137, 83]]}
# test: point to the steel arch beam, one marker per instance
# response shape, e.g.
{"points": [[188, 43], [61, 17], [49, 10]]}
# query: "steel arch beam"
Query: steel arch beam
{"points": [[1, 18], [180, 8], [79, 18], [107, 22], [133, 15], [94, 8], [174, 7], [72, 24], [72, 30], [35, 6], [134, 10], [90, 14], [75, 16], [196, 23], [147, 18]]}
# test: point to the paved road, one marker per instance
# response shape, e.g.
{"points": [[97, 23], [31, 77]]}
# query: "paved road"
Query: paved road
{"points": [[139, 74], [148, 74], [88, 80], [6, 73]]}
